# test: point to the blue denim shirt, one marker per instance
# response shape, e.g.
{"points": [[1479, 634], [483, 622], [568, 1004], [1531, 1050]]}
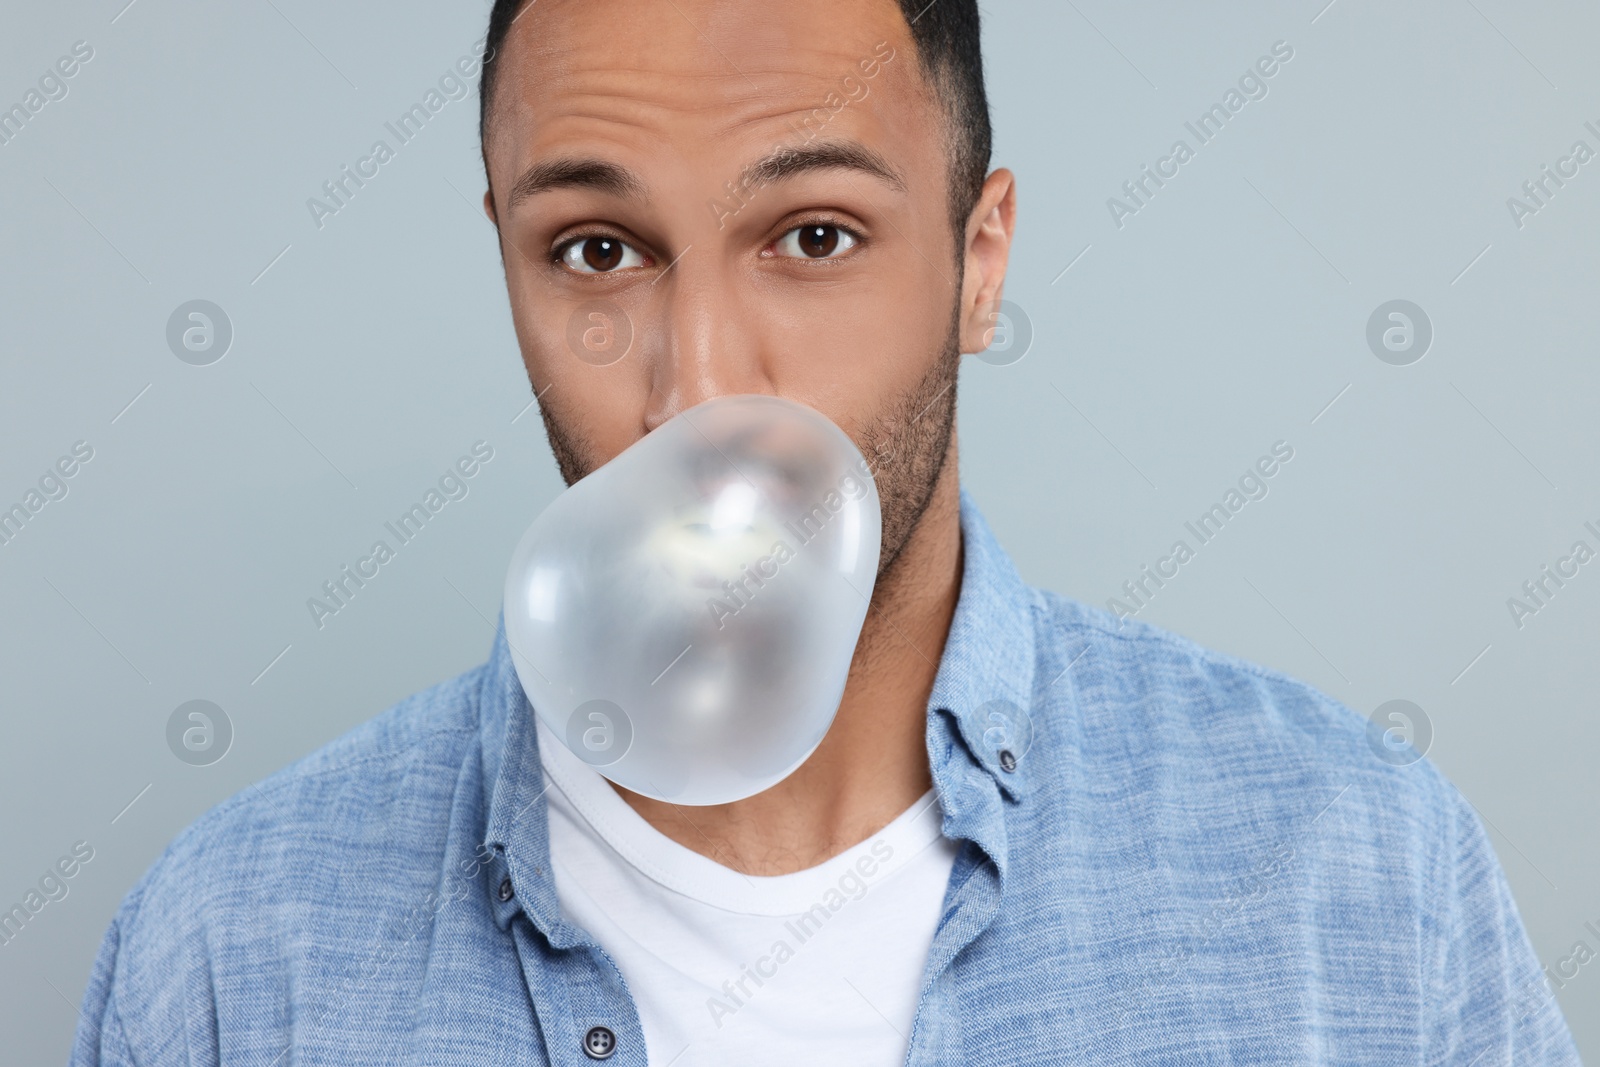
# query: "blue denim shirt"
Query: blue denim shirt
{"points": [[1167, 856]]}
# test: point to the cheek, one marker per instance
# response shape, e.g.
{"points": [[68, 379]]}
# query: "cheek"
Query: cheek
{"points": [[851, 350], [564, 331], [868, 339], [540, 325], [568, 345]]}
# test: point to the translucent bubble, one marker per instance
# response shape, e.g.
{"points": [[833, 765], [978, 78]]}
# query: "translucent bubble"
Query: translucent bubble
{"points": [[685, 616]]}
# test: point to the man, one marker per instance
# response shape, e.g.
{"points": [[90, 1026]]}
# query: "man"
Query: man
{"points": [[1034, 833]]}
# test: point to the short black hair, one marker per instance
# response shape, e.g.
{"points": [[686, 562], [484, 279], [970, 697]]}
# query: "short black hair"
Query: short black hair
{"points": [[949, 52]]}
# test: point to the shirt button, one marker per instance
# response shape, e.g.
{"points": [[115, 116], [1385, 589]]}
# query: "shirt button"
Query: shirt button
{"points": [[506, 892], [1008, 762], [599, 1043]]}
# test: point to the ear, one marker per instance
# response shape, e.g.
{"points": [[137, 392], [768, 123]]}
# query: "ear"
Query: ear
{"points": [[986, 253], [488, 206]]}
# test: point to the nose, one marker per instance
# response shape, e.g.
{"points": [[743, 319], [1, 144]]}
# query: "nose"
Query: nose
{"points": [[704, 338]]}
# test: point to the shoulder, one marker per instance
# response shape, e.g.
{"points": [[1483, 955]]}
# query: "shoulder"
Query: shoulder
{"points": [[338, 793], [306, 853], [1215, 817], [1191, 727]]}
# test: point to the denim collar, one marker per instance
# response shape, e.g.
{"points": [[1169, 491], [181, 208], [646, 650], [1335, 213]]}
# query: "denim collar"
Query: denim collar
{"points": [[984, 686], [978, 731]]}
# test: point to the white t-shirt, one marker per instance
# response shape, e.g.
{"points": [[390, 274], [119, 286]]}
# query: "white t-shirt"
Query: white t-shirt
{"points": [[820, 966]]}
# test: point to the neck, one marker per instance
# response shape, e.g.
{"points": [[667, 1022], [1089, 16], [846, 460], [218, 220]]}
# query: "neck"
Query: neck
{"points": [[873, 763]]}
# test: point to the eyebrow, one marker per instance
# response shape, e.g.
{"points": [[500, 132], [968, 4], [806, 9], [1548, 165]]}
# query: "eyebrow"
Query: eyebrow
{"points": [[779, 165], [827, 155], [597, 174]]}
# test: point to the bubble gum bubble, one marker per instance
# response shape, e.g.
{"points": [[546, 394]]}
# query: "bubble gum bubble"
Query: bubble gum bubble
{"points": [[684, 617]]}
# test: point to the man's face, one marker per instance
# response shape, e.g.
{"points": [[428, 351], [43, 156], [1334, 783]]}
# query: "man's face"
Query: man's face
{"points": [[631, 129]]}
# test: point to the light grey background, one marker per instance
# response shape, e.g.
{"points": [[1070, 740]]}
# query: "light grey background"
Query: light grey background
{"points": [[1229, 313]]}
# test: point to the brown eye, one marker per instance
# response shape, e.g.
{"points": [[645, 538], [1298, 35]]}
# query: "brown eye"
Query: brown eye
{"points": [[815, 241], [600, 255], [818, 241]]}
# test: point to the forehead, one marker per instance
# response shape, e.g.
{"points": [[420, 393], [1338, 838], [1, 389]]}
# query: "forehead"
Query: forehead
{"points": [[715, 76]]}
